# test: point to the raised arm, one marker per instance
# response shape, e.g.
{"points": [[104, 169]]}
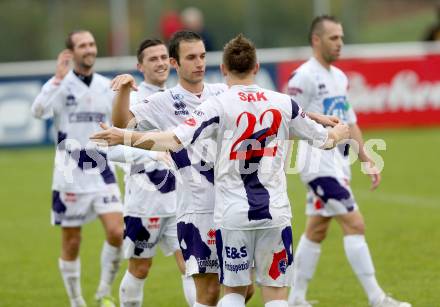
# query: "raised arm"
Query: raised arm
{"points": [[42, 107], [121, 115]]}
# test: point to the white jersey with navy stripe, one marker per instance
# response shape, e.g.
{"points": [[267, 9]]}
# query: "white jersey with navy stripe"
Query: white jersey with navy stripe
{"points": [[250, 125], [77, 110], [324, 91], [150, 185], [166, 110]]}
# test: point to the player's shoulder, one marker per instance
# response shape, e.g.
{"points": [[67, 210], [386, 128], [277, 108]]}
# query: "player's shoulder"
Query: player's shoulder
{"points": [[304, 72], [216, 88], [101, 80], [339, 73]]}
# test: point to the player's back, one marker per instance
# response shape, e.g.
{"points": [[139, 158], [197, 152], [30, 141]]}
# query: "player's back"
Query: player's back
{"points": [[250, 180]]}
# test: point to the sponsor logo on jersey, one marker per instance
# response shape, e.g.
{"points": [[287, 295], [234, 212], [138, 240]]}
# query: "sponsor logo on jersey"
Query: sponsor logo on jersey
{"points": [[71, 101], [211, 236], [336, 106], [87, 117], [154, 223], [190, 122]]}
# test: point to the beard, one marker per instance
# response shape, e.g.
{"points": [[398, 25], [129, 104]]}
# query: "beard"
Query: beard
{"points": [[88, 61]]}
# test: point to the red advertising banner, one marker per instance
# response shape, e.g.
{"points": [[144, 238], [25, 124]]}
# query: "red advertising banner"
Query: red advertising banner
{"points": [[388, 92]]}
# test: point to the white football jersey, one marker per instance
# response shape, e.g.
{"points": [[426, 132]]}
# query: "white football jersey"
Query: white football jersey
{"points": [[165, 111], [323, 91], [77, 110], [250, 125], [150, 185]]}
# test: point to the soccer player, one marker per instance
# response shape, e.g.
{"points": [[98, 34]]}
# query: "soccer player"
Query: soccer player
{"points": [[320, 87], [150, 191], [252, 209], [165, 110], [84, 185]]}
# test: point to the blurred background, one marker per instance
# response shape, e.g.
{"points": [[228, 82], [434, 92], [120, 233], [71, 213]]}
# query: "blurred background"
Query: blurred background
{"points": [[393, 65], [35, 29]]}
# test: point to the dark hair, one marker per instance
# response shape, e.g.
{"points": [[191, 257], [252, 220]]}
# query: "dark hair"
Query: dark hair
{"points": [[69, 41], [316, 26], [239, 55], [174, 43], [146, 44]]}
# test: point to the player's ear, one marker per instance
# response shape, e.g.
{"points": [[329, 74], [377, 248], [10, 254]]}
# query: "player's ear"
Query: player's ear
{"points": [[173, 63], [315, 39], [256, 68], [139, 67], [223, 70]]}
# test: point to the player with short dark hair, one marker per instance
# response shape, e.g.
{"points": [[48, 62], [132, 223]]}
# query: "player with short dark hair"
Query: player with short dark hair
{"points": [[84, 185], [252, 210], [320, 87], [150, 191], [164, 111]]}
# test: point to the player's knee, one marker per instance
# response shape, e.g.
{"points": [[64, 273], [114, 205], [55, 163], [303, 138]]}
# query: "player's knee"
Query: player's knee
{"points": [[141, 270], [357, 227], [71, 244], [212, 293], [115, 234], [316, 234]]}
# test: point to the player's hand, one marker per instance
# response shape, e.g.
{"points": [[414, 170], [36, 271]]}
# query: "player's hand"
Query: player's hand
{"points": [[165, 157], [110, 136], [63, 64], [374, 174], [342, 131], [123, 81]]}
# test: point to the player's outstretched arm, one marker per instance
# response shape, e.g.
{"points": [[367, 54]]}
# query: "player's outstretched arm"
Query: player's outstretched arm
{"points": [[157, 141], [368, 164], [122, 84], [324, 120]]}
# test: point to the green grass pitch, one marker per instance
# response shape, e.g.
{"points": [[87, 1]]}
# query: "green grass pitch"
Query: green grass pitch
{"points": [[402, 220]]}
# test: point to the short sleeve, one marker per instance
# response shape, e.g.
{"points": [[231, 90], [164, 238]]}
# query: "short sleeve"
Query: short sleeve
{"points": [[300, 88], [146, 114], [203, 123], [305, 128]]}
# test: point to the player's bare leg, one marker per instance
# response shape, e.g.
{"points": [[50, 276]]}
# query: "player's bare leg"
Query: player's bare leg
{"points": [[307, 257], [189, 288], [249, 292], [70, 266], [207, 289], [111, 252]]}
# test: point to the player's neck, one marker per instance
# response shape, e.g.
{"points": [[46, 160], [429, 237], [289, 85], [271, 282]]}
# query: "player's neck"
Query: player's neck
{"points": [[191, 87], [231, 81], [157, 84], [321, 61], [83, 71]]}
